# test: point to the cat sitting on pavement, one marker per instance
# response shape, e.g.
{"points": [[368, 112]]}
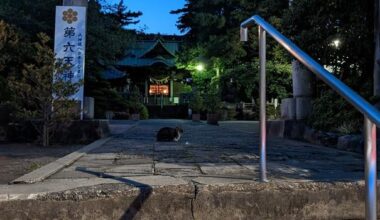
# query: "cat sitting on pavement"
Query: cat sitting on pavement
{"points": [[169, 134]]}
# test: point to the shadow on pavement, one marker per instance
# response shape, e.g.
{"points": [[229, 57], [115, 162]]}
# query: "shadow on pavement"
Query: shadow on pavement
{"points": [[136, 205]]}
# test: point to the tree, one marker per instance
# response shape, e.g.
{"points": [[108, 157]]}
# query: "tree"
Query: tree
{"points": [[9, 46], [30, 16], [336, 34], [122, 15], [106, 40], [42, 93], [212, 29], [339, 35]]}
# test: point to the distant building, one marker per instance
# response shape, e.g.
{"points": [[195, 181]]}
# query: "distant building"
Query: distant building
{"points": [[150, 65]]}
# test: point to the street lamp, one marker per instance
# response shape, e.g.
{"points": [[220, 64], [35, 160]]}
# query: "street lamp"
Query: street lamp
{"points": [[200, 67], [336, 43]]}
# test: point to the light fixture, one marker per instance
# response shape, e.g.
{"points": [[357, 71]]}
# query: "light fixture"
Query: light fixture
{"points": [[200, 67], [336, 43]]}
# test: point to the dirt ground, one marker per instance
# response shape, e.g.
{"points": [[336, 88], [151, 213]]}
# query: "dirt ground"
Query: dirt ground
{"points": [[19, 159]]}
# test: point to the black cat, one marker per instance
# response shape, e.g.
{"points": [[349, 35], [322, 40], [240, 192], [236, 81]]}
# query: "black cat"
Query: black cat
{"points": [[169, 134]]}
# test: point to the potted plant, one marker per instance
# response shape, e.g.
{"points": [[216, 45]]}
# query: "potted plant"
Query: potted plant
{"points": [[134, 103], [196, 106], [213, 103], [137, 109]]}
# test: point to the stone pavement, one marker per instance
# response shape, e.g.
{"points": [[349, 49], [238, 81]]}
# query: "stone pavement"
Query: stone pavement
{"points": [[211, 155], [211, 173]]}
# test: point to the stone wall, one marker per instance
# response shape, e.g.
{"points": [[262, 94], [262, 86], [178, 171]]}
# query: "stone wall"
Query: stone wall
{"points": [[296, 129]]}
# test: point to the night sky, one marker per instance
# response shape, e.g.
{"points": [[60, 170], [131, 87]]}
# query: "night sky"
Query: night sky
{"points": [[156, 17]]}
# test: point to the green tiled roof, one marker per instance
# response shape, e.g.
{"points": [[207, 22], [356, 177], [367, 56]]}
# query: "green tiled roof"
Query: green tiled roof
{"points": [[143, 53]]}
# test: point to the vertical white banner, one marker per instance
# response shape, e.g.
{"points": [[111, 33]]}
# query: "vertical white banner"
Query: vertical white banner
{"points": [[70, 43]]}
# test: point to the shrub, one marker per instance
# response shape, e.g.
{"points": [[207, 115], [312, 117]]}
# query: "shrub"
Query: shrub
{"points": [[144, 114], [121, 115], [271, 112], [333, 113], [213, 101], [196, 102]]}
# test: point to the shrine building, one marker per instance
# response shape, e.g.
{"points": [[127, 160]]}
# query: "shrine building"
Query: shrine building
{"points": [[150, 65]]}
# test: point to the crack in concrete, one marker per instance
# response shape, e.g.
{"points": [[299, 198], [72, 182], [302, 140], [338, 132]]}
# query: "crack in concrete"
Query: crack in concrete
{"points": [[153, 160], [196, 190]]}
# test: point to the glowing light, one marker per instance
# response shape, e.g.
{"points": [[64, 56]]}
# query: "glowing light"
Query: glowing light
{"points": [[336, 43], [200, 67]]}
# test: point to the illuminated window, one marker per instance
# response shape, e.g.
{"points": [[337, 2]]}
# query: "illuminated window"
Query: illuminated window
{"points": [[158, 89]]}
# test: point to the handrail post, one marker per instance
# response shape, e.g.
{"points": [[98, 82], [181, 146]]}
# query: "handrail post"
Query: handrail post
{"points": [[372, 115], [263, 138], [370, 169]]}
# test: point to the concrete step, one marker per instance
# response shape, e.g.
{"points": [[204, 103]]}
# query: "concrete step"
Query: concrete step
{"points": [[274, 200]]}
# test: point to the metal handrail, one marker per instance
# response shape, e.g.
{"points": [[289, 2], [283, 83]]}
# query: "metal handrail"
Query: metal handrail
{"points": [[371, 114], [351, 96]]}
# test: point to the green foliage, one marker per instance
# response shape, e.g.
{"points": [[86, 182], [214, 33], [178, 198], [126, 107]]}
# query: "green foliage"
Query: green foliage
{"points": [[213, 102], [332, 113], [138, 108], [272, 113], [196, 102], [31, 17], [350, 22], [181, 88], [279, 80], [106, 98], [12, 50], [121, 14], [41, 92], [212, 38], [106, 40], [144, 114], [134, 104]]}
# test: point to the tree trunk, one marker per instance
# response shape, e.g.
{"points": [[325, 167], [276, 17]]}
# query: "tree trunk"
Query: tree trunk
{"points": [[45, 135], [376, 69], [46, 125]]}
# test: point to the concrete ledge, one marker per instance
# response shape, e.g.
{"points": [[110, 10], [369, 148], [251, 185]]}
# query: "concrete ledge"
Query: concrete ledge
{"points": [[56, 186], [274, 200], [53, 167]]}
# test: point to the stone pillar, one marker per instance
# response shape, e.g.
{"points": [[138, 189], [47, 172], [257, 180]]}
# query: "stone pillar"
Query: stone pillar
{"points": [[288, 109], [89, 107], [302, 80], [300, 106], [75, 3], [302, 89]]}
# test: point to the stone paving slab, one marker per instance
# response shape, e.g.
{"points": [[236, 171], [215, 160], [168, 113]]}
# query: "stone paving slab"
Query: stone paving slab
{"points": [[133, 169], [218, 166], [207, 154], [51, 168], [229, 150]]}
